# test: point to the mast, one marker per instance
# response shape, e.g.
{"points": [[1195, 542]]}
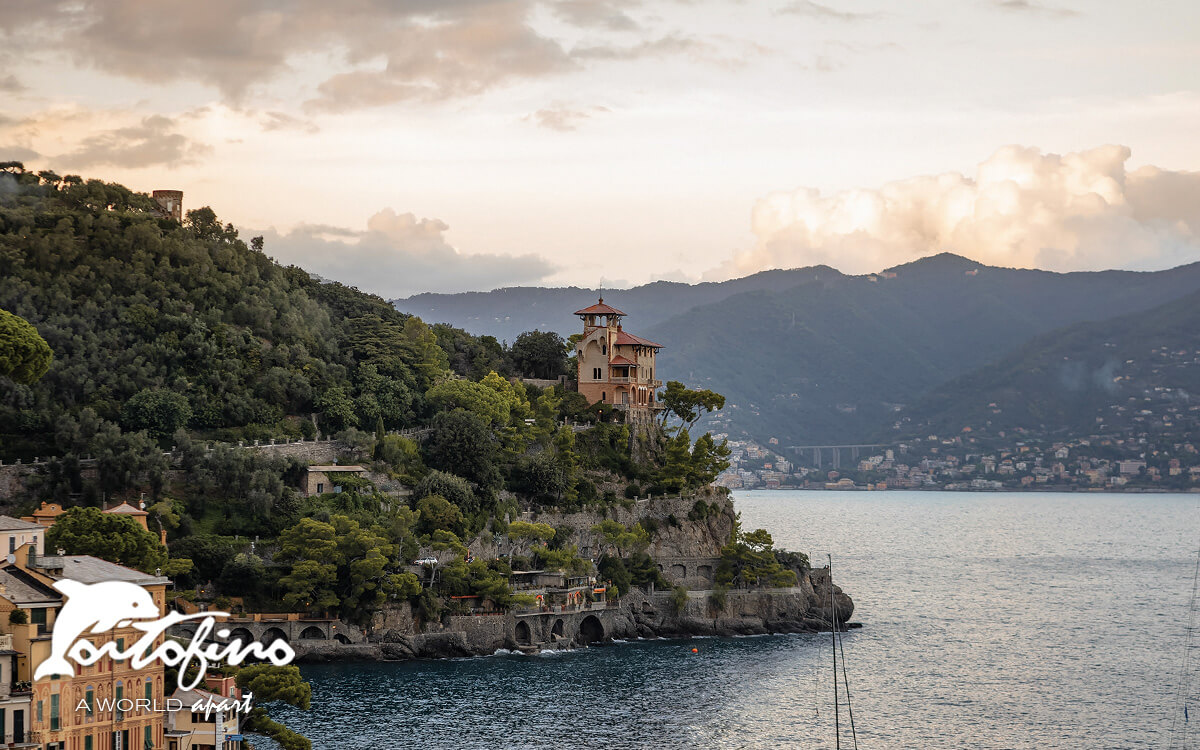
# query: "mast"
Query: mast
{"points": [[837, 728]]}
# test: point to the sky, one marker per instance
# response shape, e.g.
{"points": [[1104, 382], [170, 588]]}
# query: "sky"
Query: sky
{"points": [[449, 145]]}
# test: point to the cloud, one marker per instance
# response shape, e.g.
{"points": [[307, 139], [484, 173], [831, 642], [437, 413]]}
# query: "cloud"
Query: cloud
{"points": [[283, 121], [17, 153], [1023, 208], [602, 14], [380, 51], [1026, 6], [11, 85], [400, 255], [823, 12], [672, 44], [152, 142], [563, 118]]}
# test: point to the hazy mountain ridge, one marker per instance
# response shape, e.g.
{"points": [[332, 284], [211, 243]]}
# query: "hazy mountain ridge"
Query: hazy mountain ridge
{"points": [[815, 356], [1127, 374], [833, 360], [505, 313]]}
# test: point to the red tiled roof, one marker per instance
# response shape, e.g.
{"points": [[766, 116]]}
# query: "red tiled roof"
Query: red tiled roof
{"points": [[628, 339], [127, 510], [599, 309], [619, 360]]}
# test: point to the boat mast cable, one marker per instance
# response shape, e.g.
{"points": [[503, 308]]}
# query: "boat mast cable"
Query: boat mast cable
{"points": [[1183, 689], [837, 727]]}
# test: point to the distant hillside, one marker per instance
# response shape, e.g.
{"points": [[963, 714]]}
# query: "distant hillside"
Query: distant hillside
{"points": [[1138, 373], [505, 313], [834, 359]]}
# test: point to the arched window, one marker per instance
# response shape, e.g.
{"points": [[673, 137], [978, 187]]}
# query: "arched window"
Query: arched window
{"points": [[604, 348]]}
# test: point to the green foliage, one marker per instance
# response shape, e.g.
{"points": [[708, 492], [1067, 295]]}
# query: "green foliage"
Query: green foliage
{"points": [[343, 567], [540, 354], [209, 555], [402, 457], [270, 684], [688, 404], [129, 302], [455, 489], [244, 574], [540, 477], [24, 354], [616, 536], [436, 512], [688, 466], [719, 598], [116, 538], [749, 560], [18, 617], [523, 535], [679, 599], [157, 411], [612, 568], [462, 443]]}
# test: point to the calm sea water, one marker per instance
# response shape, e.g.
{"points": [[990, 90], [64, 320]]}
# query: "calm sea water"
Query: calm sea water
{"points": [[991, 620]]}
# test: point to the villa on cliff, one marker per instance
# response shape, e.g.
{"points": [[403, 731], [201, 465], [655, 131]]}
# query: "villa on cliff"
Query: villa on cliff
{"points": [[616, 367]]}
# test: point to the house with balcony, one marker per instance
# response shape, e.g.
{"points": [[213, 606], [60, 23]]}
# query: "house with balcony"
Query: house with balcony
{"points": [[616, 367]]}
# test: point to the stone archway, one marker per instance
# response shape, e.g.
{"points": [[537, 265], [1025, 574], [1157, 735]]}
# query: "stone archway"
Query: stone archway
{"points": [[272, 635], [678, 572], [312, 633], [524, 637], [590, 630], [705, 572], [556, 632], [341, 638], [241, 634]]}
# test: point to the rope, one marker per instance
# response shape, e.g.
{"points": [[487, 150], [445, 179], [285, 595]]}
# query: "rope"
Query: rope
{"points": [[1183, 689]]}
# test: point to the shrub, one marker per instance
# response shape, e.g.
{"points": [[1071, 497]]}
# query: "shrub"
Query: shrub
{"points": [[679, 599], [18, 617]]}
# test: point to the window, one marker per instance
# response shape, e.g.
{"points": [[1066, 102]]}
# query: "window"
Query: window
{"points": [[12, 544], [120, 644], [38, 617], [597, 373], [604, 348], [87, 743], [320, 488], [149, 690], [90, 699], [54, 723], [40, 715], [149, 737], [118, 714], [603, 395]]}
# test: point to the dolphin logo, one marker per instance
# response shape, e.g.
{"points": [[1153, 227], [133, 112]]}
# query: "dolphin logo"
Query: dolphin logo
{"points": [[96, 607]]}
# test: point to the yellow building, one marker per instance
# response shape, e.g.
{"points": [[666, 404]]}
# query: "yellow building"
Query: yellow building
{"points": [[105, 706], [192, 730], [615, 367]]}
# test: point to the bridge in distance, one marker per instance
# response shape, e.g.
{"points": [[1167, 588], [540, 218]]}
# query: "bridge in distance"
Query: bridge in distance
{"points": [[817, 452]]}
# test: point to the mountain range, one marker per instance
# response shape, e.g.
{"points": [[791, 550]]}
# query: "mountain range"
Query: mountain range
{"points": [[814, 356]]}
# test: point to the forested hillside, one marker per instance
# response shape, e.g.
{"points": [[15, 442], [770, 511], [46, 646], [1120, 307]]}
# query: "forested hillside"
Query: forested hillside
{"points": [[1138, 373], [156, 325]]}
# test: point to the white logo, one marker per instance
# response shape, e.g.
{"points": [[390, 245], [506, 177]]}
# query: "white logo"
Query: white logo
{"points": [[98, 607]]}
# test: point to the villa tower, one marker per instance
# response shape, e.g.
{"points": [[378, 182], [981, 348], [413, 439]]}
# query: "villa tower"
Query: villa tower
{"points": [[615, 367]]}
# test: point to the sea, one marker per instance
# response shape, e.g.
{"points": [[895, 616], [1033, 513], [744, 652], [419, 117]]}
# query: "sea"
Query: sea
{"points": [[989, 620]]}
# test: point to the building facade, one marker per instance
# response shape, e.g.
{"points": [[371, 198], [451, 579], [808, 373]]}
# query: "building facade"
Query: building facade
{"points": [[616, 367], [106, 706]]}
